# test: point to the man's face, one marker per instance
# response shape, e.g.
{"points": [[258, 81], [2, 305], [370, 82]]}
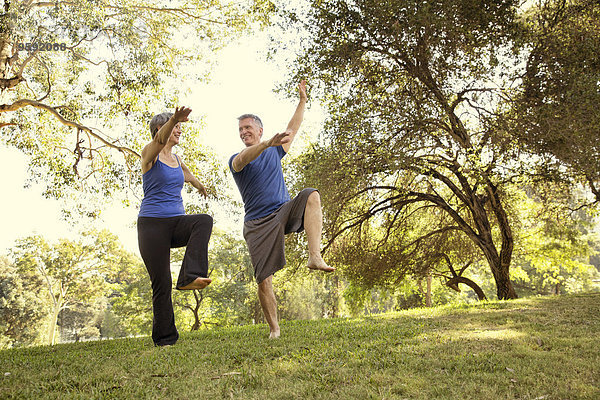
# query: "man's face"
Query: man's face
{"points": [[250, 132]]}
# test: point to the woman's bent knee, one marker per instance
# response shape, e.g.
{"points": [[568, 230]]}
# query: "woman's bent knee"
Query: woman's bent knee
{"points": [[204, 219]]}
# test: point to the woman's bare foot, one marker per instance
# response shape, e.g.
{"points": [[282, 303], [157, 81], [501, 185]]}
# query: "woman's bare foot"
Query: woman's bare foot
{"points": [[198, 283], [318, 263]]}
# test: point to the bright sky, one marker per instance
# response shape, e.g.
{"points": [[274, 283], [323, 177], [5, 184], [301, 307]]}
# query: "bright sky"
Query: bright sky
{"points": [[242, 82]]}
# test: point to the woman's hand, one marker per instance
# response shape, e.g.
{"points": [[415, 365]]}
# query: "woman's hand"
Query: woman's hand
{"points": [[189, 177], [202, 190], [181, 114]]}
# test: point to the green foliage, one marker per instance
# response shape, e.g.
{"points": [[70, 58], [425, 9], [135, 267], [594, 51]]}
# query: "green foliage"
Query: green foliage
{"points": [[82, 321], [410, 293], [22, 310], [72, 269], [79, 113], [555, 246], [71, 274], [131, 301], [205, 164], [407, 137], [307, 296], [555, 110]]}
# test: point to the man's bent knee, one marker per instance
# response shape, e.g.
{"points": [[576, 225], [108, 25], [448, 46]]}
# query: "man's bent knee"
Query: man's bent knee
{"points": [[314, 199]]}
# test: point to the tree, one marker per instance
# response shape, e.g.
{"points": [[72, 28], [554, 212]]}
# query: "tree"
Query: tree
{"points": [[73, 272], [131, 300], [417, 95], [230, 298], [81, 321], [555, 244], [554, 112], [385, 251], [22, 309], [79, 80]]}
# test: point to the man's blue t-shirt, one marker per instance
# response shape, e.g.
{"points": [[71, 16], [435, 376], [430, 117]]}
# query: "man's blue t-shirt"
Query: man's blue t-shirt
{"points": [[261, 183]]}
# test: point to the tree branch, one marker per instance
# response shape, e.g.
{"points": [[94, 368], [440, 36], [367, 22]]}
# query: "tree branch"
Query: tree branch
{"points": [[178, 12], [36, 104]]}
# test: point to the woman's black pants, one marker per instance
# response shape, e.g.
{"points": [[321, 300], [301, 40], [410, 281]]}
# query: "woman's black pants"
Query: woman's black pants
{"points": [[156, 237]]}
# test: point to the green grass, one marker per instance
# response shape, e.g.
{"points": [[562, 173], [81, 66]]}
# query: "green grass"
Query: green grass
{"points": [[537, 348]]}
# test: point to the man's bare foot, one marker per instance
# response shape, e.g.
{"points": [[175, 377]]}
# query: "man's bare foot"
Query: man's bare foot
{"points": [[198, 283], [319, 264], [274, 335]]}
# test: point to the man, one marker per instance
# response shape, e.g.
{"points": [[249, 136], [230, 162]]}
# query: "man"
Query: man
{"points": [[270, 213]]}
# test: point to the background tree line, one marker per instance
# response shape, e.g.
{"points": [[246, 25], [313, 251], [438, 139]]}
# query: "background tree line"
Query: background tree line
{"points": [[92, 288]]}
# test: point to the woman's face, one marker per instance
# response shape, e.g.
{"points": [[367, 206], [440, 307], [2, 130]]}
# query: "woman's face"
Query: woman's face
{"points": [[175, 134]]}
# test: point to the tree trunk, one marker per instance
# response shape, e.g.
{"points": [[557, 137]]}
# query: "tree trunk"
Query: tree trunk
{"points": [[428, 294], [504, 287], [501, 261], [453, 283], [500, 270], [196, 309], [422, 291], [4, 52], [53, 321], [8, 77], [57, 306]]}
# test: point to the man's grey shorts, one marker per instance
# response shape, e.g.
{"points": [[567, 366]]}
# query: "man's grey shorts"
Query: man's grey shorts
{"points": [[265, 236]]}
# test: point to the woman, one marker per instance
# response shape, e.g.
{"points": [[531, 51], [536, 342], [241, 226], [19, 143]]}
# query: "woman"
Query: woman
{"points": [[162, 223]]}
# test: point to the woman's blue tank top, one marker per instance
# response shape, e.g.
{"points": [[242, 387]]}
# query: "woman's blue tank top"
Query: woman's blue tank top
{"points": [[162, 191]]}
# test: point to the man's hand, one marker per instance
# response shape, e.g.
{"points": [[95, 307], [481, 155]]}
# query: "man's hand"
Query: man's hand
{"points": [[302, 90], [181, 114], [279, 139]]}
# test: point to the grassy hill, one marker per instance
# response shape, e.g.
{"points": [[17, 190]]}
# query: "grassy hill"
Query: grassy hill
{"points": [[537, 348]]}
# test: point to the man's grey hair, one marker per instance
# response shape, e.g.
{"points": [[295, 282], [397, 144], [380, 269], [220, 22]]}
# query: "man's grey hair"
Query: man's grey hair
{"points": [[159, 120], [254, 117]]}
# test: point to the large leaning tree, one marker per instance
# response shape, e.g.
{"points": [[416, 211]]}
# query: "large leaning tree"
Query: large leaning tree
{"points": [[414, 146], [80, 79]]}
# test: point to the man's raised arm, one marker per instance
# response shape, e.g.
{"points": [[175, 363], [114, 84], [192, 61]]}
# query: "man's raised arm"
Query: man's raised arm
{"points": [[294, 124]]}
